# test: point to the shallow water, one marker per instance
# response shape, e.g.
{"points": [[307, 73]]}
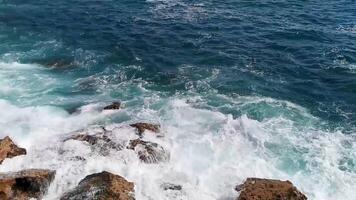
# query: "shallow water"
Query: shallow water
{"points": [[241, 89]]}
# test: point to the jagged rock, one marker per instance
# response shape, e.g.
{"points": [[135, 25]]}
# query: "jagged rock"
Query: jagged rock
{"points": [[26, 184], [170, 186], [8, 149], [268, 189], [98, 140], [114, 106], [148, 152], [102, 186], [141, 127]]}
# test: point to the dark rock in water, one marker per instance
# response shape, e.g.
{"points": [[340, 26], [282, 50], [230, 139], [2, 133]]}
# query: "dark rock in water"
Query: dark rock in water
{"points": [[56, 63], [78, 158], [148, 152], [91, 139], [100, 141], [113, 106], [141, 127], [26, 184], [8, 149], [170, 186], [102, 186], [268, 189]]}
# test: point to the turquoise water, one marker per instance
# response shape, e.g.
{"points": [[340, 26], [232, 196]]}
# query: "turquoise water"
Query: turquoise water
{"points": [[241, 89]]}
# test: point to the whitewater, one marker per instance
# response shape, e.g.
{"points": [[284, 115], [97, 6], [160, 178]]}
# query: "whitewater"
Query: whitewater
{"points": [[210, 152]]}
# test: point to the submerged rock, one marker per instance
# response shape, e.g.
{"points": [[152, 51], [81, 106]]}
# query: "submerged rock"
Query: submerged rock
{"points": [[26, 184], [8, 149], [100, 141], [141, 127], [114, 106], [268, 189], [171, 186], [148, 152], [102, 186], [61, 63]]}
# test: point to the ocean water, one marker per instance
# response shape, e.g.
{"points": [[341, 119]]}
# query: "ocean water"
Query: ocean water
{"points": [[241, 89]]}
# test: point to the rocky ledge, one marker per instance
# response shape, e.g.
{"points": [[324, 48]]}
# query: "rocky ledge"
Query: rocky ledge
{"points": [[141, 127], [102, 186], [26, 184], [268, 189], [9, 149], [103, 141]]}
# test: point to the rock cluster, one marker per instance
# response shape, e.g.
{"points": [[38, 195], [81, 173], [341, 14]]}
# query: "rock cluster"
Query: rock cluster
{"points": [[148, 152], [33, 183]]}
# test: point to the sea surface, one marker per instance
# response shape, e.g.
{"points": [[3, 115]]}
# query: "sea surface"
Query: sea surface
{"points": [[241, 88]]}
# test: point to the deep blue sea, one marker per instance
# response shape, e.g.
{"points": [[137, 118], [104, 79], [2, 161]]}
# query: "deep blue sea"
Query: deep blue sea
{"points": [[242, 88]]}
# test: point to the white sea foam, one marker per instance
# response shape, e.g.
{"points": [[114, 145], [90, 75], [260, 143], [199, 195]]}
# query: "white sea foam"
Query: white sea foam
{"points": [[210, 151]]}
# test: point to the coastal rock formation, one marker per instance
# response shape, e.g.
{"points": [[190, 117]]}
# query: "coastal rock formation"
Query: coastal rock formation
{"points": [[100, 141], [114, 106], [26, 184], [8, 149], [268, 189], [102, 186], [104, 141], [141, 127], [148, 152]]}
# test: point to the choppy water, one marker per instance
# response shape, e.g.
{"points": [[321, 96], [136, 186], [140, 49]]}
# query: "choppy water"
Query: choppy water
{"points": [[241, 89]]}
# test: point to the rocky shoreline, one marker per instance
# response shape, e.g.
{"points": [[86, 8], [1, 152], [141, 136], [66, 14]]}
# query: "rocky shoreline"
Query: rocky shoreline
{"points": [[33, 183]]}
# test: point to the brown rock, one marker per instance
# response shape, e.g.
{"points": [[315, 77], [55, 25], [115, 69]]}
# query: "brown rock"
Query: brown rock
{"points": [[8, 149], [148, 152], [268, 189], [26, 184], [141, 127], [114, 106], [102, 186]]}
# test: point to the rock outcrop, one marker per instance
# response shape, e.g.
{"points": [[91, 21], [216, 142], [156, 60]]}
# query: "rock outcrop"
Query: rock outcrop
{"points": [[100, 141], [102, 186], [26, 184], [148, 152], [8, 149], [114, 106], [141, 127], [268, 189]]}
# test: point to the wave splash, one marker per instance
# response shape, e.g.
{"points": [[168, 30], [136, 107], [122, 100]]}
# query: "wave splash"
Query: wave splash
{"points": [[210, 152]]}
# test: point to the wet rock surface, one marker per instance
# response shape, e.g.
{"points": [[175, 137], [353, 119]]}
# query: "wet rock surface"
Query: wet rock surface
{"points": [[114, 106], [141, 127], [102, 186], [8, 149], [268, 189], [26, 184], [148, 152], [101, 141]]}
